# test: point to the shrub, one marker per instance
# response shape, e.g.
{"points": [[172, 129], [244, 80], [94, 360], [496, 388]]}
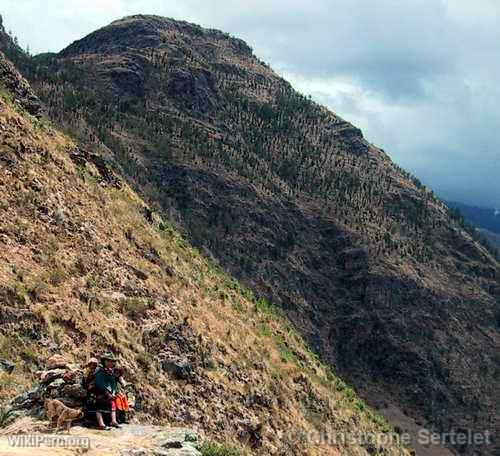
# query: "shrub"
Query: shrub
{"points": [[214, 449], [135, 307], [6, 416], [8, 345], [263, 306], [145, 360]]}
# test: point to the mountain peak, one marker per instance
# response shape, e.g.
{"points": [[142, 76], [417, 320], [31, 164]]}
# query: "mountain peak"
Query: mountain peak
{"points": [[150, 31]]}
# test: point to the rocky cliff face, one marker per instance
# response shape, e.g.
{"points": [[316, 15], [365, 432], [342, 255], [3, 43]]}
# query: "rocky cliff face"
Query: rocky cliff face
{"points": [[290, 198], [19, 88], [11, 80]]}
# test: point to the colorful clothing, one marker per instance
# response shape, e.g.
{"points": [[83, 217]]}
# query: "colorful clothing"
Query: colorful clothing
{"points": [[106, 385]]}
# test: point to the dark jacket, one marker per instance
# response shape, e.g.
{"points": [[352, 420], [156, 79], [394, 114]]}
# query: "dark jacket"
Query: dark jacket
{"points": [[106, 382]]}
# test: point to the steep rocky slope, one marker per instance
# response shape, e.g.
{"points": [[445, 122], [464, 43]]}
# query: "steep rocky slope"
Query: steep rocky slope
{"points": [[86, 266], [368, 265]]}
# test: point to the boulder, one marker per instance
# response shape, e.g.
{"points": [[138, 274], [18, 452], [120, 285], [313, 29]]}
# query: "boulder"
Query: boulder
{"points": [[74, 391], [178, 368], [57, 362], [69, 376], [26, 400], [175, 438], [176, 442], [57, 384], [251, 432], [135, 452], [49, 376]]}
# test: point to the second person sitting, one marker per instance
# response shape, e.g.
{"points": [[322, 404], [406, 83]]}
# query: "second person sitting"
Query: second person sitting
{"points": [[106, 384]]}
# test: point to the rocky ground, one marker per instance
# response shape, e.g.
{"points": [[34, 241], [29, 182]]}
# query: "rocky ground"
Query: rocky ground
{"points": [[130, 440], [60, 380]]}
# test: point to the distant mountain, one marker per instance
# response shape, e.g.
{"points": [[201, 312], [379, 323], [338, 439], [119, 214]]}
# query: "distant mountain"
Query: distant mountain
{"points": [[494, 238], [378, 275], [486, 218]]}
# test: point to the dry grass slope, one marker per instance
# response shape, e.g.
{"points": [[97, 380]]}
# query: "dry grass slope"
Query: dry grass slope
{"points": [[373, 270], [85, 267]]}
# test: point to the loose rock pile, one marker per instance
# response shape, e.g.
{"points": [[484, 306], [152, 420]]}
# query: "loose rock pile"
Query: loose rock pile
{"points": [[63, 381]]}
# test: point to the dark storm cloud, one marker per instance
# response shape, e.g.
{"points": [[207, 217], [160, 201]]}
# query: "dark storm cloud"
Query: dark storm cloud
{"points": [[418, 76]]}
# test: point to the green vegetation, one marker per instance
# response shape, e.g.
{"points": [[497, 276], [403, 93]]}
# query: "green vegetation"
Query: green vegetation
{"points": [[6, 416], [214, 449]]}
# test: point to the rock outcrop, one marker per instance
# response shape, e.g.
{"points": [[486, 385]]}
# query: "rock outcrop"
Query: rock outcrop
{"points": [[18, 87], [60, 380]]}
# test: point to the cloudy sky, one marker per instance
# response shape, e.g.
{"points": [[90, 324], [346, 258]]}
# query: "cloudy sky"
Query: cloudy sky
{"points": [[420, 77]]}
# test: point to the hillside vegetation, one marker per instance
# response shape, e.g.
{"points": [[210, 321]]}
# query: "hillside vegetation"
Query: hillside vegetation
{"points": [[381, 280], [86, 266]]}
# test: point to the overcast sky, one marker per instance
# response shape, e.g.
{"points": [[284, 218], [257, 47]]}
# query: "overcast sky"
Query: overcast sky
{"points": [[420, 77]]}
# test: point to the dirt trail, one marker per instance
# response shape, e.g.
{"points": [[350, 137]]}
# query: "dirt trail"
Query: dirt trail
{"points": [[131, 439]]}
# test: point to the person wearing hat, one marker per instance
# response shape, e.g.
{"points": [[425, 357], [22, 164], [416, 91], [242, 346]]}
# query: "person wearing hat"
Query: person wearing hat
{"points": [[106, 384]]}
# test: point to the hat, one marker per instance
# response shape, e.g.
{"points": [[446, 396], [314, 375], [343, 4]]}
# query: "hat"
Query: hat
{"points": [[92, 361], [109, 356]]}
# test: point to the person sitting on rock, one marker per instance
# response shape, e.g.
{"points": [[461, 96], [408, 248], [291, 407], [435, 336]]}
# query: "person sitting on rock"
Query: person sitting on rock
{"points": [[106, 383], [88, 384], [122, 405], [89, 375]]}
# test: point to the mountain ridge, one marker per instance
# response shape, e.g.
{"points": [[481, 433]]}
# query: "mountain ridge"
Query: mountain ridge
{"points": [[366, 262], [87, 266]]}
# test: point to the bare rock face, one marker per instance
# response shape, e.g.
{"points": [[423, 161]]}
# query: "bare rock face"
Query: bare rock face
{"points": [[193, 90], [57, 362]]}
